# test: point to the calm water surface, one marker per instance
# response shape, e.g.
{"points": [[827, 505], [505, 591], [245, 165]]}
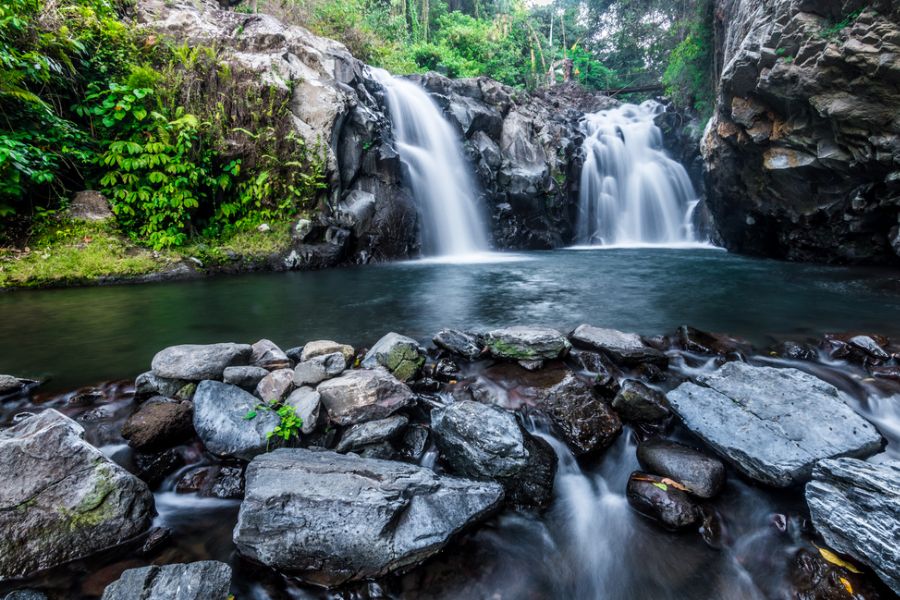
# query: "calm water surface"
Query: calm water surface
{"points": [[81, 336]]}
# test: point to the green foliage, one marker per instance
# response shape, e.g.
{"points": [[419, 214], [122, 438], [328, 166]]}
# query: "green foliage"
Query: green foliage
{"points": [[289, 424], [835, 29], [689, 76]]}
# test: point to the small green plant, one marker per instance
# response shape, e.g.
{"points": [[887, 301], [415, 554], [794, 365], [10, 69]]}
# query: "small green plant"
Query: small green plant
{"points": [[290, 423], [834, 30]]}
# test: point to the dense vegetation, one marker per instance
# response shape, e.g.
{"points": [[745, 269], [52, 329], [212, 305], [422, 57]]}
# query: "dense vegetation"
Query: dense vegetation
{"points": [[90, 101]]}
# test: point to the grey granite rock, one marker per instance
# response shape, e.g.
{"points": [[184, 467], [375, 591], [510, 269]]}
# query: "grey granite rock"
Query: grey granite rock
{"points": [[202, 580], [199, 362]]}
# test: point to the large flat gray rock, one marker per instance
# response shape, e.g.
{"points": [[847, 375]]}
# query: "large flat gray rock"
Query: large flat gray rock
{"points": [[855, 506], [527, 343], [773, 424], [331, 518], [60, 498], [202, 580], [623, 348], [197, 362]]}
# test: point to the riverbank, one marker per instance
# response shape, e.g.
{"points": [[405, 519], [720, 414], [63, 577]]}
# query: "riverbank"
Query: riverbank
{"points": [[68, 253], [561, 447]]}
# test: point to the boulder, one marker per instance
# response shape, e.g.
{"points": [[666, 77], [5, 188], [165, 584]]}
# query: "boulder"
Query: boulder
{"points": [[202, 580], [657, 498], [855, 507], [159, 424], [702, 475], [244, 377], [527, 343], [322, 347], [276, 385], [372, 432], [624, 348], [88, 205], [267, 354], [221, 420], [485, 442], [464, 344], [61, 498], [148, 384], [639, 402], [772, 424], [587, 424], [319, 368], [363, 395], [196, 363], [344, 518], [400, 355], [307, 404], [11, 385]]}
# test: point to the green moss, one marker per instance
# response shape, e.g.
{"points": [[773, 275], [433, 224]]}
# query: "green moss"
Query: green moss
{"points": [[94, 509], [513, 351], [79, 252], [404, 362]]}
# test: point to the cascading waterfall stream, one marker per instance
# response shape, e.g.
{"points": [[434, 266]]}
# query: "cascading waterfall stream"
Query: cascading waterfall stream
{"points": [[438, 175], [631, 192]]}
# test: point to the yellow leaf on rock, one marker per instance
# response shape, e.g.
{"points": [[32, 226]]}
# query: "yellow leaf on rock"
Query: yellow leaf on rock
{"points": [[846, 585], [674, 484], [837, 560]]}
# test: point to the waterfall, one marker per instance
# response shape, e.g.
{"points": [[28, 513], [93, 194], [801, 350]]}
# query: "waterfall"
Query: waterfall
{"points": [[631, 192], [438, 175]]}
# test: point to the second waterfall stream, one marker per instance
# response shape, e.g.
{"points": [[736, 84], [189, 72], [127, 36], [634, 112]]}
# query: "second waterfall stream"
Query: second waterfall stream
{"points": [[632, 193], [439, 178]]}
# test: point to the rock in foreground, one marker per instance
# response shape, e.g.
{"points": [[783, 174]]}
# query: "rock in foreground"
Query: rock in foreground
{"points": [[203, 580], [772, 424], [341, 518], [855, 506], [61, 499], [220, 418]]}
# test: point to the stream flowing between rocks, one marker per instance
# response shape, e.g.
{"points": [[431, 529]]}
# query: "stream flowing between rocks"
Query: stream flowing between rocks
{"points": [[755, 542]]}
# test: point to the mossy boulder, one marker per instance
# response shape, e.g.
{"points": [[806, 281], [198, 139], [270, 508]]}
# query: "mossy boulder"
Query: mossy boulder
{"points": [[62, 499], [400, 355], [527, 343]]}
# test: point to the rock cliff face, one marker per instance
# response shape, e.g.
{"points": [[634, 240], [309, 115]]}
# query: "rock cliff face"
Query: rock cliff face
{"points": [[803, 153], [524, 148], [333, 104]]}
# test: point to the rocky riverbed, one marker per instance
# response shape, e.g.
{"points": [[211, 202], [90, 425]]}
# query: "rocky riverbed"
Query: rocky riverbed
{"points": [[412, 470]]}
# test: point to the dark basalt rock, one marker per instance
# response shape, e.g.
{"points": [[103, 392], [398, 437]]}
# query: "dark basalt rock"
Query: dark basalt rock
{"points": [[467, 345], [814, 578], [345, 518], [485, 442], [702, 475], [586, 423], [657, 498], [371, 432], [802, 152], [204, 580], [153, 468], [855, 507], [606, 374], [703, 342], [158, 424], [222, 481], [639, 402], [795, 351]]}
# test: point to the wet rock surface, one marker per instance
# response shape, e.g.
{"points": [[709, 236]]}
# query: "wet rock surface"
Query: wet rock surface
{"points": [[636, 401], [345, 518], [702, 475], [400, 355], [464, 344], [62, 499], [623, 348], [372, 432], [203, 580], [855, 507], [772, 424], [586, 423], [485, 442], [657, 498]]}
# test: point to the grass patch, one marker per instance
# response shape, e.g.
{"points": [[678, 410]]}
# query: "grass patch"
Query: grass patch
{"points": [[76, 252]]}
